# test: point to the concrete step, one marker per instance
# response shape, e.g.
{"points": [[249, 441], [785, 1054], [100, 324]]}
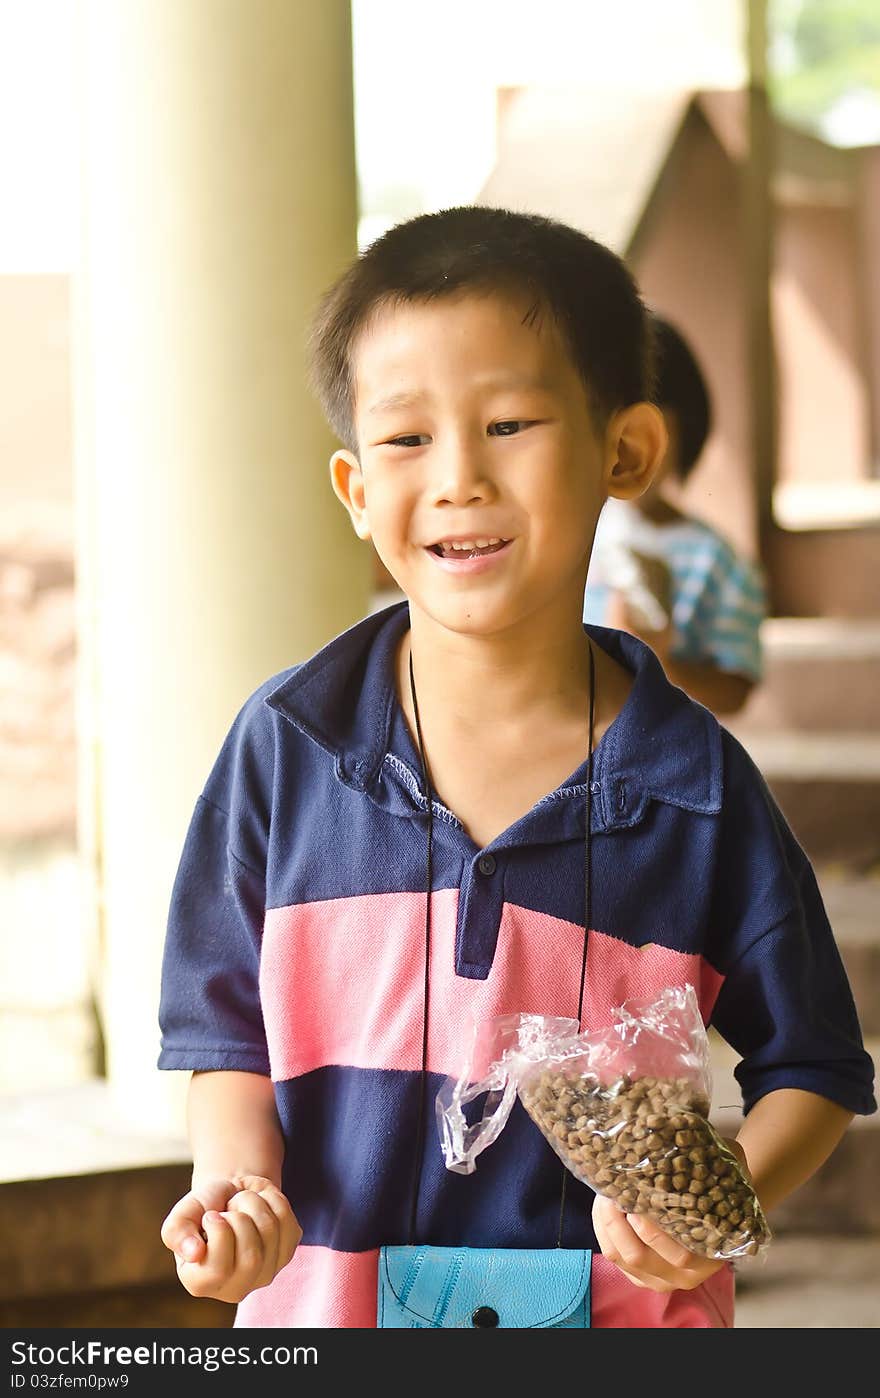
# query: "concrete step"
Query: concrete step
{"points": [[82, 1198], [162, 1306], [85, 1250], [842, 1197], [812, 728], [819, 673], [827, 786]]}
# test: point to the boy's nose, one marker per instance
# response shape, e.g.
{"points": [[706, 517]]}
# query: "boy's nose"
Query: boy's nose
{"points": [[462, 475]]}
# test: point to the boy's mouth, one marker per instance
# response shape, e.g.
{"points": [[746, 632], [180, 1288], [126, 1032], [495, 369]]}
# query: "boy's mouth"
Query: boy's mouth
{"points": [[467, 548]]}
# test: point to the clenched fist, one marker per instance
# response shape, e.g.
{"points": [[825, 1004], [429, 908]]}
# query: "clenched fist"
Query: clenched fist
{"points": [[231, 1237]]}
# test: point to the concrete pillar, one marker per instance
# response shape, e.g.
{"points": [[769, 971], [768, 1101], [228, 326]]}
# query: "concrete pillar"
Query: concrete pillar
{"points": [[219, 199], [758, 237]]}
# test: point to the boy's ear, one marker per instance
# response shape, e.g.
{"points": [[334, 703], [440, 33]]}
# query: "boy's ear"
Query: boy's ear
{"points": [[636, 444], [348, 484]]}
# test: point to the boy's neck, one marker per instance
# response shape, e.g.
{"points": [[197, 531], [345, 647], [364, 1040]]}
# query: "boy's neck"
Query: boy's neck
{"points": [[485, 685]]}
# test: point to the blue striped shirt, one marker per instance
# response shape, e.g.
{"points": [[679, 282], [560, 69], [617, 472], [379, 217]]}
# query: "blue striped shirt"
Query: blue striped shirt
{"points": [[718, 598]]}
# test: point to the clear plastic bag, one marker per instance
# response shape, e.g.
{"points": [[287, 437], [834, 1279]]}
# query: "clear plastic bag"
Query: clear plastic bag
{"points": [[626, 1110]]}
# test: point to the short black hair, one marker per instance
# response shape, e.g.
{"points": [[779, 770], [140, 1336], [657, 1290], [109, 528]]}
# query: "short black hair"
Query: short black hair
{"points": [[585, 287], [680, 388]]}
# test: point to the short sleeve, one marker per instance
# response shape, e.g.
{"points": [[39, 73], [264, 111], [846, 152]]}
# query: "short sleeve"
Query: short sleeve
{"points": [[718, 606], [209, 1011], [785, 1004]]}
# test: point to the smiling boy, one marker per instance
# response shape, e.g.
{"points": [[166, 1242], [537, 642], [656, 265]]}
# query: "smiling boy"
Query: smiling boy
{"points": [[488, 374]]}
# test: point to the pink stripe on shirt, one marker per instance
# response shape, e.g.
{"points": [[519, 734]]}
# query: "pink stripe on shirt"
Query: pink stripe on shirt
{"points": [[341, 982], [619, 1305], [320, 1287]]}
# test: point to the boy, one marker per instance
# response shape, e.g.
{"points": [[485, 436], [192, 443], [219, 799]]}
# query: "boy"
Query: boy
{"points": [[709, 639], [488, 375]]}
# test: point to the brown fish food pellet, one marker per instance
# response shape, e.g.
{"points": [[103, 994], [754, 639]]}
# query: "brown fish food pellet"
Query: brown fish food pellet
{"points": [[646, 1142]]}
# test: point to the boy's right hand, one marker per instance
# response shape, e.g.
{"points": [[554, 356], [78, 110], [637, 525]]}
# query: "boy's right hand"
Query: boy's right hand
{"points": [[230, 1237]]}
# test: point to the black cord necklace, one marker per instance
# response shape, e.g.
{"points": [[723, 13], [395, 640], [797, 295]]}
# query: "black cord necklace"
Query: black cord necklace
{"points": [[429, 871]]}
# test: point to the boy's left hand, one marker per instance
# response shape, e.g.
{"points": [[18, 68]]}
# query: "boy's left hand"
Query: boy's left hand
{"points": [[646, 1255]]}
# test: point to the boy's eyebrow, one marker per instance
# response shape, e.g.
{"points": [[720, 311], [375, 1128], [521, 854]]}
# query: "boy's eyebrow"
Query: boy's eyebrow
{"points": [[500, 382], [395, 400]]}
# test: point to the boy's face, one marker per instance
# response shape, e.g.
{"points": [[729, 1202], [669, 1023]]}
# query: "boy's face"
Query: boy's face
{"points": [[475, 427]]}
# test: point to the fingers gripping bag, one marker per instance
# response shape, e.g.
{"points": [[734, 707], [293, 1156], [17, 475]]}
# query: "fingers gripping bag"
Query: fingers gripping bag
{"points": [[625, 1107]]}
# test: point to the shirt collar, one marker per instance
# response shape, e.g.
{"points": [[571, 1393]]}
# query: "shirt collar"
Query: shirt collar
{"points": [[342, 697], [662, 746]]}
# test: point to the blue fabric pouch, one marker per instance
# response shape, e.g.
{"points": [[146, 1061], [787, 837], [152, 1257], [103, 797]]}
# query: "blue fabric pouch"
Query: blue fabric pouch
{"points": [[432, 1288]]}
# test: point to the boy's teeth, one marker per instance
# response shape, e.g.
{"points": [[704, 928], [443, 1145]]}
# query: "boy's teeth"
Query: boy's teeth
{"points": [[449, 548]]}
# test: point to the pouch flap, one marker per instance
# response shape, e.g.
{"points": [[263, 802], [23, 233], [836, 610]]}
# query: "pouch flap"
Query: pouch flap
{"points": [[526, 1288]]}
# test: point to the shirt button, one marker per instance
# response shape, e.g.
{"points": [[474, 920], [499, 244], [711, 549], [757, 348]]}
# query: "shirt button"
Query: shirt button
{"points": [[484, 1318], [486, 864]]}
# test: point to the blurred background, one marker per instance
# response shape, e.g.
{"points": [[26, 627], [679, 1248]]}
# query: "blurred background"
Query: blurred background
{"points": [[180, 179]]}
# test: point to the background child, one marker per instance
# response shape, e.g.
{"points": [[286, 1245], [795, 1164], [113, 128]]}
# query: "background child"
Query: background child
{"points": [[707, 628], [391, 841]]}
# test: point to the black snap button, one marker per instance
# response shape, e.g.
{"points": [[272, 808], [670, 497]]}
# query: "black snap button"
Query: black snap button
{"points": [[484, 1318], [486, 864]]}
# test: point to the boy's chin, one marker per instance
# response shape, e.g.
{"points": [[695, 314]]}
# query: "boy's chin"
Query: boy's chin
{"points": [[473, 616]]}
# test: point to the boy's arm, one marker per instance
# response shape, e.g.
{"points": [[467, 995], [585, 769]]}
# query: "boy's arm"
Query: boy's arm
{"points": [[786, 1137], [233, 1127]]}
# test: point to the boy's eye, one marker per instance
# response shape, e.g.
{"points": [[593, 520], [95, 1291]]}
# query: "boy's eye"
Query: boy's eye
{"points": [[409, 439], [508, 428]]}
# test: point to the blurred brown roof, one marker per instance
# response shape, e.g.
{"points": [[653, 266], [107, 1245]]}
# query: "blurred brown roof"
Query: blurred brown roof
{"points": [[572, 153]]}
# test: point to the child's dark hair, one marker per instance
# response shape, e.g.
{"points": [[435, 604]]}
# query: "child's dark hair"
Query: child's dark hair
{"points": [[681, 389], [584, 286]]}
